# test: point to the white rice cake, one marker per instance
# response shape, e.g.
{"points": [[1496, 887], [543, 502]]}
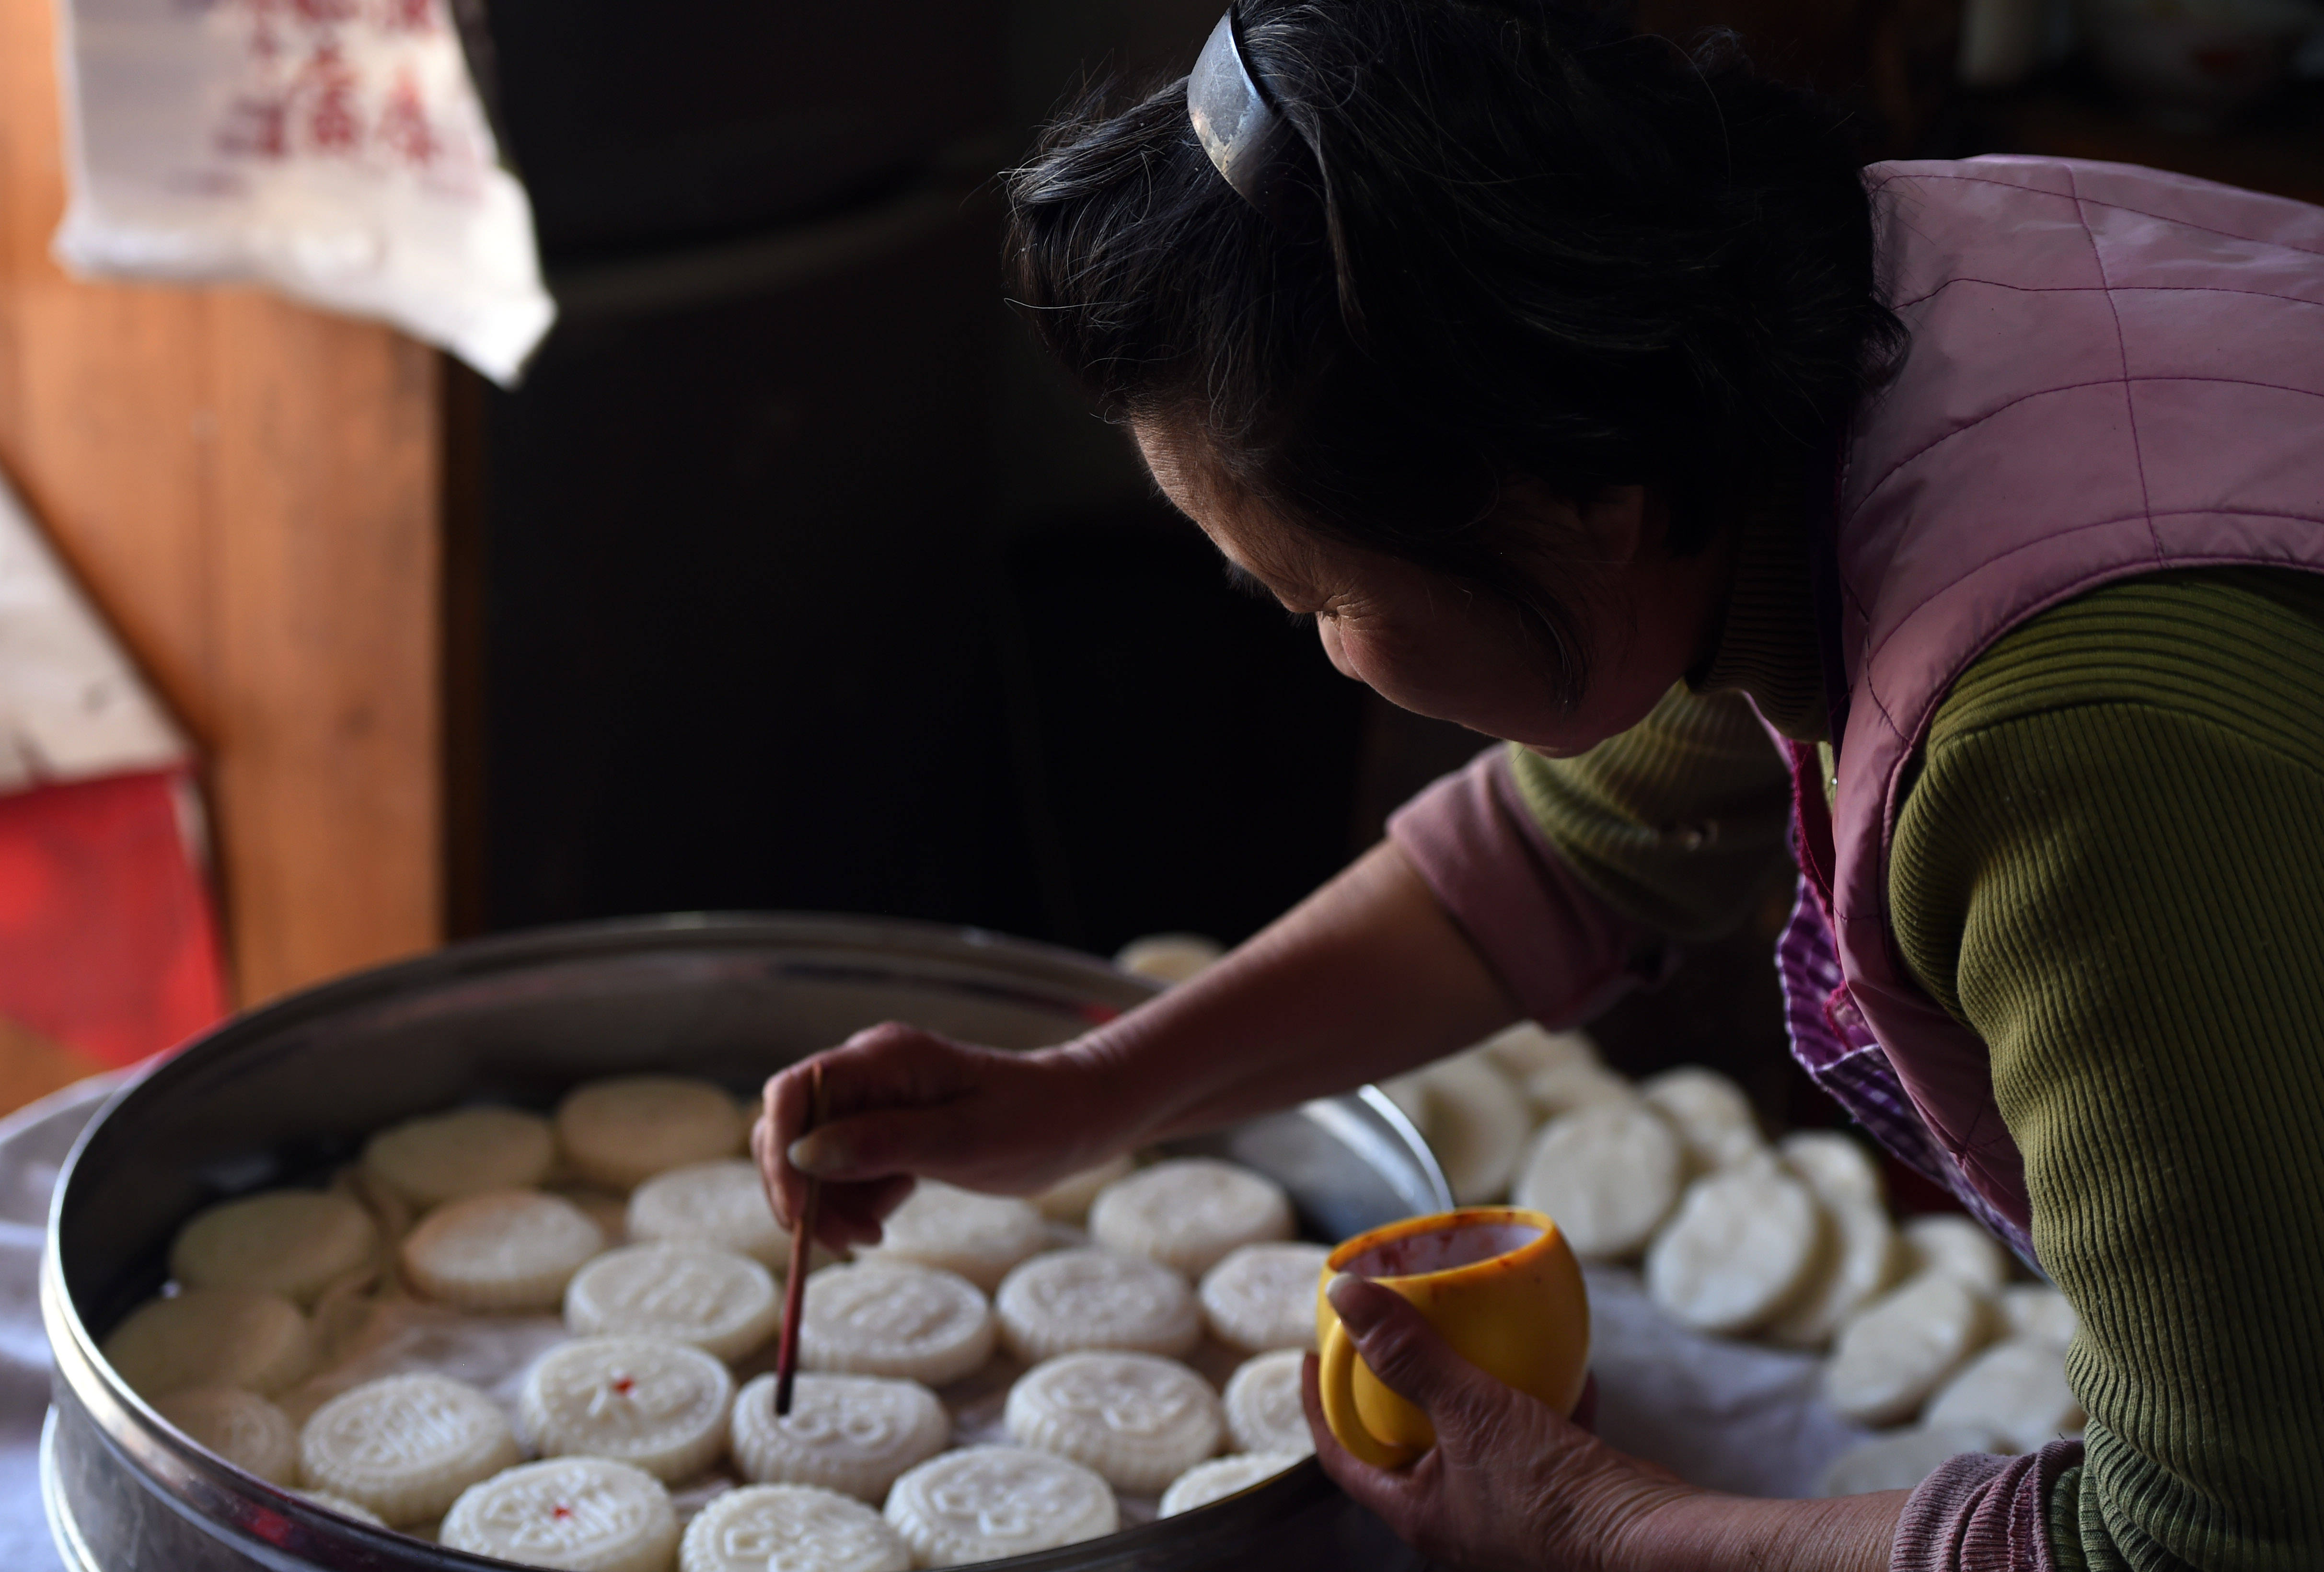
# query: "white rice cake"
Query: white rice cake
{"points": [[621, 1132], [1262, 1406], [2040, 1313], [1901, 1347], [343, 1506], [1863, 1260], [655, 1405], [1835, 1166], [211, 1336], [1188, 1212], [2017, 1390], [1527, 1047], [722, 1203], [1140, 1420], [405, 1446], [723, 1303], [1559, 1089], [1476, 1119], [979, 1236], [1607, 1174], [1068, 1200], [1950, 1243], [501, 1251], [790, 1528], [1747, 1240], [855, 1434], [982, 1503], [292, 1242], [1220, 1477], [465, 1152], [1071, 1299], [239, 1425], [590, 1514], [1713, 1118], [910, 1323], [1263, 1297]]}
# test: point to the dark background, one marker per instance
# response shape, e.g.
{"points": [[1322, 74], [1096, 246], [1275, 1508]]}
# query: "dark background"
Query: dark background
{"points": [[793, 579], [800, 582]]}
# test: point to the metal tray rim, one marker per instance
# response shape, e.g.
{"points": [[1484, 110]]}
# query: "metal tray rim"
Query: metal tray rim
{"points": [[131, 1427]]}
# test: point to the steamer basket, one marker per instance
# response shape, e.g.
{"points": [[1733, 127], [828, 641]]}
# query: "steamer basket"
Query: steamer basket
{"points": [[290, 1090]]}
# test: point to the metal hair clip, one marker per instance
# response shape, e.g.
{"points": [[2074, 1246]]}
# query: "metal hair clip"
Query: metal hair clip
{"points": [[1237, 121]]}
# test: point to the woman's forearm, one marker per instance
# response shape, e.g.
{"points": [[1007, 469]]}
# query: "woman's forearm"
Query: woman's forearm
{"points": [[1366, 977], [1705, 1533]]}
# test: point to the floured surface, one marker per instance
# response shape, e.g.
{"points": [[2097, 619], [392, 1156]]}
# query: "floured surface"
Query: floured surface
{"points": [[1718, 1413]]}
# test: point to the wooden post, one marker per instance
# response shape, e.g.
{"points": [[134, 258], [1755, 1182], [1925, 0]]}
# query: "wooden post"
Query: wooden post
{"points": [[250, 491]]}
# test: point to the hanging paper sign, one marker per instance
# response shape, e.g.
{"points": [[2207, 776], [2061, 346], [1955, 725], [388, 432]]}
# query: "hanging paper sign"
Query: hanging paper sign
{"points": [[334, 149]]}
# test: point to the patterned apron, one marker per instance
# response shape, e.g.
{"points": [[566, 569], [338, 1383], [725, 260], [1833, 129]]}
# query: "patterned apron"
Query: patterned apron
{"points": [[1831, 1038]]}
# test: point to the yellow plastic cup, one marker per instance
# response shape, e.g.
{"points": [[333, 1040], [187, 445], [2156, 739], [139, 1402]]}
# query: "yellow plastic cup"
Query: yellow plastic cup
{"points": [[1498, 1283]]}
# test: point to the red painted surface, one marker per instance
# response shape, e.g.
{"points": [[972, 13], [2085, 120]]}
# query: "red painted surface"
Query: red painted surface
{"points": [[109, 942]]}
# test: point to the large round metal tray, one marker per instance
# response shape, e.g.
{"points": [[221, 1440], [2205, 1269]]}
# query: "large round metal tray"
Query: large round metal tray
{"points": [[282, 1093]]}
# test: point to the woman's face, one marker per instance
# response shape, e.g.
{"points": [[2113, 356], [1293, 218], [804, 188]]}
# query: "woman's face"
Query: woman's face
{"points": [[1437, 647]]}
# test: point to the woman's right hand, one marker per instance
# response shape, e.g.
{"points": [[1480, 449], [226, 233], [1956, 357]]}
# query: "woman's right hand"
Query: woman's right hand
{"points": [[899, 1102]]}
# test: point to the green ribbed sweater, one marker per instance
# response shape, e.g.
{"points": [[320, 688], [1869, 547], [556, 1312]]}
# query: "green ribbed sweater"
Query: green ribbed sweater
{"points": [[2109, 864]]}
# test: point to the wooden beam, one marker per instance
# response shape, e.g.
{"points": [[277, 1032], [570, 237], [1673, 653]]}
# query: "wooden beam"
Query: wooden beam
{"points": [[250, 490]]}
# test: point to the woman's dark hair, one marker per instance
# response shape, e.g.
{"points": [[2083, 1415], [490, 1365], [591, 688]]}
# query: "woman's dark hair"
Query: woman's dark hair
{"points": [[1531, 243]]}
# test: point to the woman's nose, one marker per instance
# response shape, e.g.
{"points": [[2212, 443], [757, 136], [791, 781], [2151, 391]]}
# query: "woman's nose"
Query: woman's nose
{"points": [[1328, 631]]}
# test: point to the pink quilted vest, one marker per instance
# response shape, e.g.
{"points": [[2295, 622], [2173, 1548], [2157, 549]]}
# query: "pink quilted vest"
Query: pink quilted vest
{"points": [[2112, 371]]}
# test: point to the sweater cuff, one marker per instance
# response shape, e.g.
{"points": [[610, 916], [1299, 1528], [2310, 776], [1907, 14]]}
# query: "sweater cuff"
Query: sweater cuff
{"points": [[1560, 949], [1979, 1513]]}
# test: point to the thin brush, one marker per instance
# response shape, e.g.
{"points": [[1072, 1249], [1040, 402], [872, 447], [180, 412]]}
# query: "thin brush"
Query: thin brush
{"points": [[802, 1242]]}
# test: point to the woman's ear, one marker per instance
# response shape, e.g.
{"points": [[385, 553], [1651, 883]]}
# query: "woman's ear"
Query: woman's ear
{"points": [[1612, 529], [1624, 523]]}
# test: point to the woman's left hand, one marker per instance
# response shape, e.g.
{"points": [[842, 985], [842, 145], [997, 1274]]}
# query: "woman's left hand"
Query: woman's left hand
{"points": [[1511, 1483]]}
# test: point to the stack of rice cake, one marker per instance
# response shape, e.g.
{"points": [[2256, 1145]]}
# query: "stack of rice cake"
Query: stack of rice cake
{"points": [[1929, 1331]]}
